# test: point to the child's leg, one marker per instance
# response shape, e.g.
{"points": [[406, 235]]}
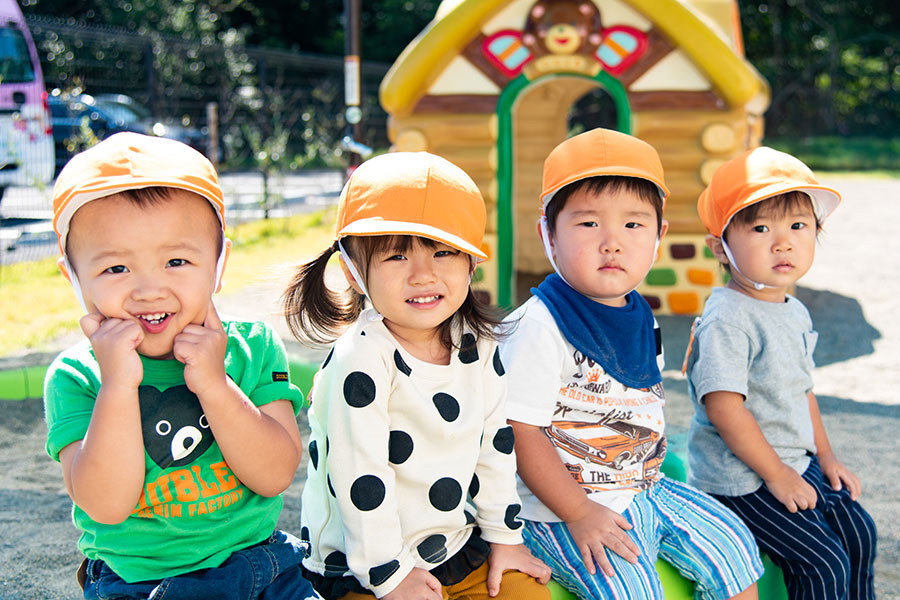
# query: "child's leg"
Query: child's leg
{"points": [[552, 543], [856, 530], [803, 544], [705, 541], [513, 586]]}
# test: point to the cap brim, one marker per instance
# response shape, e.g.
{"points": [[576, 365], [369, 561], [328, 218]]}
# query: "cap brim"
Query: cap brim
{"points": [[382, 227], [824, 199], [548, 196]]}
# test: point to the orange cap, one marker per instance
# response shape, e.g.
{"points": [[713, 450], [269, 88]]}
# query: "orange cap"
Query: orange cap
{"points": [[413, 193], [130, 161], [754, 176], [601, 152]]}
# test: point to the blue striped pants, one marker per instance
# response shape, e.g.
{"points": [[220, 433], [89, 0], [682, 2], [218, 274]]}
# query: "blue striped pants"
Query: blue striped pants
{"points": [[698, 536], [825, 553]]}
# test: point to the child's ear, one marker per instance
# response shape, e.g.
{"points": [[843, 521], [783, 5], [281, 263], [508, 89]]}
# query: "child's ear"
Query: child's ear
{"points": [[349, 277], [226, 248], [540, 232], [663, 228], [61, 265], [715, 246]]}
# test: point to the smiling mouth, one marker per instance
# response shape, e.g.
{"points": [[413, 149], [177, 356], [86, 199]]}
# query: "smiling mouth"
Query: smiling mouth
{"points": [[424, 299], [154, 318]]}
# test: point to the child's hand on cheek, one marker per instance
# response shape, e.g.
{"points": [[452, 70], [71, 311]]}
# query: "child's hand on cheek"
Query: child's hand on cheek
{"points": [[115, 342], [202, 350]]}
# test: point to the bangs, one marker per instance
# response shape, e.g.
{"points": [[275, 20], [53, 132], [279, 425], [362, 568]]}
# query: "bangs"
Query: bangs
{"points": [[777, 206]]}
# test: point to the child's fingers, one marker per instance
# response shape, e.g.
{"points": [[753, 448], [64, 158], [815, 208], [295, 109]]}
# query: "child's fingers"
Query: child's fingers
{"points": [[90, 323], [834, 480], [587, 557], [495, 574], [602, 560], [434, 585], [212, 319], [854, 486]]}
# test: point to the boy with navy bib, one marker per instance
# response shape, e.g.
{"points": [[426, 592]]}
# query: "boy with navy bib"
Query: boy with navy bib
{"points": [[586, 398]]}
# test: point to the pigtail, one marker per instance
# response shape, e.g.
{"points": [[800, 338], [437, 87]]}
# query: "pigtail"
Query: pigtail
{"points": [[315, 314]]}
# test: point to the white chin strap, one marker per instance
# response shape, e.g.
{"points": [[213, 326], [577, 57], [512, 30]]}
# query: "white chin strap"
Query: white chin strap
{"points": [[548, 250], [352, 268], [756, 285], [76, 287]]}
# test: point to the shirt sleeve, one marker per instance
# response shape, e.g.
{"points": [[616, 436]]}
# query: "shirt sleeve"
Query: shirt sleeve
{"points": [[70, 391], [257, 358], [720, 359], [494, 487], [533, 355], [357, 387]]}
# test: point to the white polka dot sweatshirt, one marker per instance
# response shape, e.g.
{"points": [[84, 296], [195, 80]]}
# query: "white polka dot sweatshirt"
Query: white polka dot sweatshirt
{"points": [[405, 458]]}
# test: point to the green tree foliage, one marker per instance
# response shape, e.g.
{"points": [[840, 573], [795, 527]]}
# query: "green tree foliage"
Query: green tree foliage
{"points": [[834, 65]]}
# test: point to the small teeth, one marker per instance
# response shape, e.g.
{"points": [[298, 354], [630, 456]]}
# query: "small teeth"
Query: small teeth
{"points": [[155, 317], [423, 299]]}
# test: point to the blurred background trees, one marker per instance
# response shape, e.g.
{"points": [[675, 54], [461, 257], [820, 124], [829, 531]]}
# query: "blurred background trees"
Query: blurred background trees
{"points": [[834, 65]]}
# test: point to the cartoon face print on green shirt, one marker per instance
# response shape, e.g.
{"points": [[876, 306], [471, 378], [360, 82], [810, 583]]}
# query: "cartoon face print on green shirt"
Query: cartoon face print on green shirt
{"points": [[175, 429]]}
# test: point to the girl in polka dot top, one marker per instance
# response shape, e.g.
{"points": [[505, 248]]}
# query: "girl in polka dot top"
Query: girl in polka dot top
{"points": [[410, 490]]}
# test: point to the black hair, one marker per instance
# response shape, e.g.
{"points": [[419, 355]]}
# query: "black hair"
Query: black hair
{"points": [[646, 190], [316, 314], [153, 196]]}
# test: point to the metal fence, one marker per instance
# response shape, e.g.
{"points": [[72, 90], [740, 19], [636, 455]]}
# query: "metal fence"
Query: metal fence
{"points": [[262, 113]]}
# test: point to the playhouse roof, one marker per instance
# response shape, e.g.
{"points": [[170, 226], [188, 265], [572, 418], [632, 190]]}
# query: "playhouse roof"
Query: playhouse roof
{"points": [[458, 21]]}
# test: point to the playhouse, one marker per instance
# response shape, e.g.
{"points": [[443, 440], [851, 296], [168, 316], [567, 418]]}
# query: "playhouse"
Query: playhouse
{"points": [[490, 85]]}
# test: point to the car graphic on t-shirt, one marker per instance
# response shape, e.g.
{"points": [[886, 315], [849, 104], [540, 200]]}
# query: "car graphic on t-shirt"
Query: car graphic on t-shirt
{"points": [[611, 444]]}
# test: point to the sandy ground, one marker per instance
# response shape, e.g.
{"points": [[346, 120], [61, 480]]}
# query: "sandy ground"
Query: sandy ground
{"points": [[851, 292]]}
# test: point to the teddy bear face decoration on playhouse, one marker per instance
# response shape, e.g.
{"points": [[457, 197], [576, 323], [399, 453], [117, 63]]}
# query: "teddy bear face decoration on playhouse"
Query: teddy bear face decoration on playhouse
{"points": [[564, 31]]}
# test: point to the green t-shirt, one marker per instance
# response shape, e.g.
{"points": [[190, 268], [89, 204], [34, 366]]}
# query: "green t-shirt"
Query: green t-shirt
{"points": [[194, 513]]}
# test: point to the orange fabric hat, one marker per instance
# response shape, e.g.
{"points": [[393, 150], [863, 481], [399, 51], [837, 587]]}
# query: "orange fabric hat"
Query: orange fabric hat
{"points": [[413, 193], [754, 176], [601, 152], [129, 161]]}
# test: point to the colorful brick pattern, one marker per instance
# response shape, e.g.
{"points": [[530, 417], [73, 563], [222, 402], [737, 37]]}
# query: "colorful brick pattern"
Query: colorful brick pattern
{"points": [[683, 276]]}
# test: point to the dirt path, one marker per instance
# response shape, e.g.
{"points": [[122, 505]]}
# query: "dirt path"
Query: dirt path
{"points": [[852, 293]]}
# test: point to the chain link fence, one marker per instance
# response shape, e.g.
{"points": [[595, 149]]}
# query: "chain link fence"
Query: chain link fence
{"points": [[262, 116]]}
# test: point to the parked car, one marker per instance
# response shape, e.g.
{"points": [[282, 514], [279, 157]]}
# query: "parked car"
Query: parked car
{"points": [[130, 110], [79, 121]]}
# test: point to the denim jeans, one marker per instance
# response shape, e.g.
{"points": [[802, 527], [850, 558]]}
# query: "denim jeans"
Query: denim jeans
{"points": [[267, 571]]}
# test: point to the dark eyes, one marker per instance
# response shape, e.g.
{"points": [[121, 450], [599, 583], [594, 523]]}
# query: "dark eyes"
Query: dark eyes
{"points": [[176, 262], [116, 269]]}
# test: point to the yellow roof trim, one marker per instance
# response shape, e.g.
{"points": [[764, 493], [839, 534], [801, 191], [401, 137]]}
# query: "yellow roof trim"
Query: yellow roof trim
{"points": [[426, 56]]}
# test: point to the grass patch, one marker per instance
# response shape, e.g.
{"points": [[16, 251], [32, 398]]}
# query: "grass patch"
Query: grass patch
{"points": [[37, 304], [832, 153]]}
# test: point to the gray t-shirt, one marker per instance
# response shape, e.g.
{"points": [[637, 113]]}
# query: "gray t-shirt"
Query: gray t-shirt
{"points": [[763, 351]]}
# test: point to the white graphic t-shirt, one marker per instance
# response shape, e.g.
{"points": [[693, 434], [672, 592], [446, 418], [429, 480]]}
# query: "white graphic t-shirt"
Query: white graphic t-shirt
{"points": [[609, 436]]}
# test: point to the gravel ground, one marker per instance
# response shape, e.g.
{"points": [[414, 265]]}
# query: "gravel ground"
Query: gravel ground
{"points": [[851, 292]]}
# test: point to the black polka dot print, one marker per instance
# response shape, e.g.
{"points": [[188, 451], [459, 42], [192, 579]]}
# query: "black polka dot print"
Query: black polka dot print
{"points": [[330, 487], [504, 440], [314, 454], [336, 563], [510, 519], [445, 494], [474, 486], [359, 389], [327, 446], [327, 359], [401, 364], [304, 534], [470, 518], [498, 364], [447, 406], [400, 447], [380, 574], [468, 351], [367, 492], [433, 549]]}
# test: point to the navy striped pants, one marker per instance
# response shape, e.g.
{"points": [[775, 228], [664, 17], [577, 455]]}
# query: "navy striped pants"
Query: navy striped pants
{"points": [[825, 553]]}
